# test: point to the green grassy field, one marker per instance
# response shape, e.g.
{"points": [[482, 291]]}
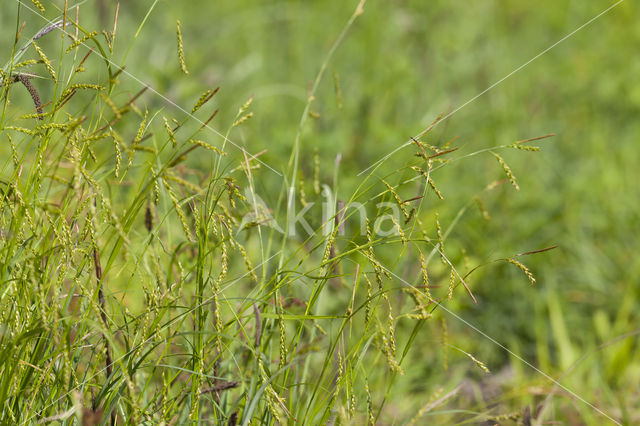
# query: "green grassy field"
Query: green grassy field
{"points": [[225, 220]]}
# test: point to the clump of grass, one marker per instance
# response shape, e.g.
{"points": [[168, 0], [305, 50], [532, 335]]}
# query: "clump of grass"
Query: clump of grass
{"points": [[140, 225]]}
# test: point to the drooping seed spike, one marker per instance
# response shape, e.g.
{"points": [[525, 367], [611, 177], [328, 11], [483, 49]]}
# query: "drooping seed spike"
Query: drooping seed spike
{"points": [[183, 64]]}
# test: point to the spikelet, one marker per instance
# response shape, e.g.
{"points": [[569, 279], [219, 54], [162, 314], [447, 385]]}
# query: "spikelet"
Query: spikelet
{"points": [[23, 204], [339, 382], [271, 396], [430, 181], [507, 171], [207, 146], [224, 270], [421, 146], [81, 41], [156, 189], [440, 239], [74, 124], [225, 213], [523, 268], [524, 147], [283, 337], [403, 237], [204, 98], [57, 126], [167, 127], [133, 106], [245, 106], [46, 61], [452, 283], [370, 417], [118, 158], [411, 213], [234, 192], [316, 171], [21, 130], [329, 251], [367, 306], [183, 64], [390, 340], [351, 396], [386, 350], [519, 144], [379, 270], [115, 221], [336, 85], [87, 86], [14, 152], [433, 186], [108, 36], [141, 130], [179, 210], [65, 232], [39, 168], [55, 230], [197, 223], [109, 102], [69, 91], [165, 396], [449, 142], [397, 199], [425, 277], [419, 301], [27, 63], [38, 116], [303, 195], [242, 119], [247, 262], [143, 148], [117, 139], [479, 363], [39, 5]]}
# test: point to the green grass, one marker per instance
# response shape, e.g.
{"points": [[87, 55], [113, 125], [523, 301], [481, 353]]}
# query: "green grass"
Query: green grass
{"points": [[142, 281]]}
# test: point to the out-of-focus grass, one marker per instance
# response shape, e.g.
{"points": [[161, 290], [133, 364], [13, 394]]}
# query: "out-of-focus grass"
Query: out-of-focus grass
{"points": [[403, 64]]}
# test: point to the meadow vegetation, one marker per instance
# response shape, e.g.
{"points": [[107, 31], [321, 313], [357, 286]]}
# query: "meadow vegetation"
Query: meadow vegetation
{"points": [[319, 212]]}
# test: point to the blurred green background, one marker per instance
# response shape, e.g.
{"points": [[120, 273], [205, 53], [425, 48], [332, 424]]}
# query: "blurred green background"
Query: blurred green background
{"points": [[402, 64]]}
